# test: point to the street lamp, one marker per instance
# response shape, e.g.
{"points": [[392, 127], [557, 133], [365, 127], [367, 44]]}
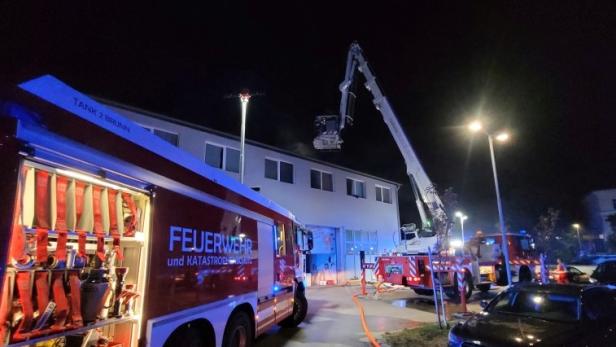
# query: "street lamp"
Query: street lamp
{"points": [[244, 98], [462, 218], [576, 226], [476, 127]]}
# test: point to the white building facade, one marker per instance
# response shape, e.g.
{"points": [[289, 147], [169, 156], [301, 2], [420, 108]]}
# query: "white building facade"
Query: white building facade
{"points": [[348, 211], [599, 205]]}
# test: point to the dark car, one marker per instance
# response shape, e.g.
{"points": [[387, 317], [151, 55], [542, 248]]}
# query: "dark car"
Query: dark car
{"points": [[542, 315], [605, 273]]}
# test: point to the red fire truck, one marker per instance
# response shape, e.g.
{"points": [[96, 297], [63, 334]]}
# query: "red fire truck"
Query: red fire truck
{"points": [[113, 237], [422, 254], [480, 263]]}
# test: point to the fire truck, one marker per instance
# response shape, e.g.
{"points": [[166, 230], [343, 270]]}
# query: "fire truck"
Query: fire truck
{"points": [[113, 237], [423, 255]]}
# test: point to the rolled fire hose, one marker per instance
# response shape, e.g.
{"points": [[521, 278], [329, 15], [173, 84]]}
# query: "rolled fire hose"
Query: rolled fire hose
{"points": [[113, 223], [130, 225], [98, 223], [75, 285], [59, 297], [25, 297], [41, 282]]}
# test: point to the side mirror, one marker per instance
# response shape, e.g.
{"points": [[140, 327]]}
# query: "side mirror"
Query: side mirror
{"points": [[484, 303]]}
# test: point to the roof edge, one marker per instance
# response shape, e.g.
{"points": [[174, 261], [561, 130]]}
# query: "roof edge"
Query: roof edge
{"points": [[235, 137]]}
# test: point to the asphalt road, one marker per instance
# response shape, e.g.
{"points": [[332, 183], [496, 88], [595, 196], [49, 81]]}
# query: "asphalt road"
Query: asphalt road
{"points": [[333, 319]]}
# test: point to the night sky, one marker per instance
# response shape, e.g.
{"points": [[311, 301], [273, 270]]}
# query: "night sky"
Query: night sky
{"points": [[545, 73]]}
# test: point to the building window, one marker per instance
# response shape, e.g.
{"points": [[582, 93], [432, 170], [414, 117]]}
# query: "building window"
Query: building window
{"points": [[232, 159], [614, 203], [360, 240], [222, 157], [279, 170], [383, 194], [168, 136], [356, 188], [321, 180]]}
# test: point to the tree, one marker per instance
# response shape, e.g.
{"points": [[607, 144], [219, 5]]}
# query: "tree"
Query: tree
{"points": [[544, 230], [553, 239]]}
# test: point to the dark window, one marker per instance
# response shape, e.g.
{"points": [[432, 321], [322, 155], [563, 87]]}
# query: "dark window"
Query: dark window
{"points": [[232, 160], [167, 136], [356, 188], [387, 195], [315, 179], [321, 180], [271, 169], [286, 172], [213, 155], [328, 182], [614, 203], [383, 194]]}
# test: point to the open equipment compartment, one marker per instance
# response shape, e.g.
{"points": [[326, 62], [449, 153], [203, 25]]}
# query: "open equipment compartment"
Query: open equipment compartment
{"points": [[77, 269]]}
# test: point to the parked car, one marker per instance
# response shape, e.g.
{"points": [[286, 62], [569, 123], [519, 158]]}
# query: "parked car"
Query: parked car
{"points": [[588, 263], [572, 275], [533, 314], [605, 273]]}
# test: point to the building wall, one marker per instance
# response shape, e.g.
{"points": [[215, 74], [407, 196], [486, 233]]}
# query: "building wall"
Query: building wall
{"points": [[600, 204], [357, 223]]}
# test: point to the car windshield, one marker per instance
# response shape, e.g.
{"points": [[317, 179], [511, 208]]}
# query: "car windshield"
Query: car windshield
{"points": [[547, 306]]}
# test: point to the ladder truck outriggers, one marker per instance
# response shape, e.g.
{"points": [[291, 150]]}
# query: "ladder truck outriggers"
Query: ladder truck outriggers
{"points": [[410, 264]]}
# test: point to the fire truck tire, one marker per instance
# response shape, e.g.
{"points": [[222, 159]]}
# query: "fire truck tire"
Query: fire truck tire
{"points": [[192, 334], [300, 309], [524, 274], [454, 293], [238, 332], [484, 288], [427, 292]]}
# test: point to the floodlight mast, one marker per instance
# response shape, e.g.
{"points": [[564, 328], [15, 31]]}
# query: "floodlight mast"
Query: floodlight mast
{"points": [[423, 189]]}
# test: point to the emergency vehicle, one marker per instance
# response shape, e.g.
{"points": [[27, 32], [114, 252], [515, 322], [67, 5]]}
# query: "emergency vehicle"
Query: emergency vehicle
{"points": [[423, 253], [113, 237], [480, 262]]}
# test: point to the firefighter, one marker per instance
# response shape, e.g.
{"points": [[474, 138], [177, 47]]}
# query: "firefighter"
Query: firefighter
{"points": [[561, 271], [475, 241]]}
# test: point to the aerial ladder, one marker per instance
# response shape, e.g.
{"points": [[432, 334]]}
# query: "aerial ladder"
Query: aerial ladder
{"points": [[434, 221]]}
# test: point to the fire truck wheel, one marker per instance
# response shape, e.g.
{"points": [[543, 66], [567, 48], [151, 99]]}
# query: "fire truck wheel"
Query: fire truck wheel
{"points": [[454, 293], [423, 291], [300, 309], [238, 332], [191, 335]]}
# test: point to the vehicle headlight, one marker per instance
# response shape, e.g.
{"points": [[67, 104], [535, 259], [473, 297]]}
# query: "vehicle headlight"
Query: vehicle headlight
{"points": [[454, 340]]}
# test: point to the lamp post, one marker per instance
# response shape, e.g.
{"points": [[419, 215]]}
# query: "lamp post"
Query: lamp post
{"points": [[244, 98], [462, 218], [475, 127], [577, 226]]}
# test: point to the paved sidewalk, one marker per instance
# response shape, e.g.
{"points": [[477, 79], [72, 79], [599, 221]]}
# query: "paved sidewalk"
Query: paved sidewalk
{"points": [[333, 320]]}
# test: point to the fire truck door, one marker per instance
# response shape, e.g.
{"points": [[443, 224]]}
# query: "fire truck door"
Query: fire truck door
{"points": [[266, 259]]}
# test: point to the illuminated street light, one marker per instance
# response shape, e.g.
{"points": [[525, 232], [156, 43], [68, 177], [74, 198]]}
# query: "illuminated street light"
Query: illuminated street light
{"points": [[475, 126], [577, 227], [244, 98], [462, 217], [501, 137], [456, 243]]}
